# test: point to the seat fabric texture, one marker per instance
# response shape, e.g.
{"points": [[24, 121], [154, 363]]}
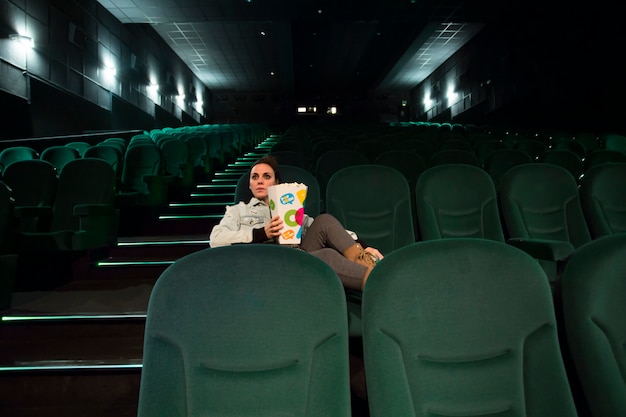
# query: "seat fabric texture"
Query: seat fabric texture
{"points": [[593, 293], [603, 199], [246, 330], [462, 327], [374, 201], [457, 200]]}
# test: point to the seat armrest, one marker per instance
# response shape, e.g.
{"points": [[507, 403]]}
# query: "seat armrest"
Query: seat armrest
{"points": [[87, 210], [549, 250]]}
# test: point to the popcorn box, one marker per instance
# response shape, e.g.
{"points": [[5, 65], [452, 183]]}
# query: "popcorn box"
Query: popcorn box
{"points": [[287, 201]]}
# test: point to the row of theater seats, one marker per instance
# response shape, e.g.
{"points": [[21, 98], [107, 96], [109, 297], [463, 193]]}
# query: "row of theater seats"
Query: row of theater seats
{"points": [[538, 207], [456, 326], [149, 171], [78, 197], [425, 150]]}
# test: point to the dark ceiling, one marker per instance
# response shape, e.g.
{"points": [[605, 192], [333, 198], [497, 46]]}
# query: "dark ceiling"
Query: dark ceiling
{"points": [[342, 47], [309, 47]]}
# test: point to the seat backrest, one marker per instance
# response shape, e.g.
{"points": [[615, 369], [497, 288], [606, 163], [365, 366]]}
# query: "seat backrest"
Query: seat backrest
{"points": [[615, 141], [462, 327], [541, 201], [457, 200], [176, 154], [79, 146], [454, 144], [563, 158], [59, 155], [332, 161], [453, 156], [375, 202], [83, 181], [593, 286], [222, 338], [108, 152], [409, 163], [531, 146], [139, 161], [293, 158], [602, 156], [371, 148], [120, 143], [289, 173], [6, 218], [603, 199], [197, 149], [16, 153], [498, 162], [33, 182], [486, 147], [422, 147]]}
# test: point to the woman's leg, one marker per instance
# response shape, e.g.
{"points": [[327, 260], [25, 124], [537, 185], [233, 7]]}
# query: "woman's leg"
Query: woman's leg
{"points": [[351, 274], [326, 232]]}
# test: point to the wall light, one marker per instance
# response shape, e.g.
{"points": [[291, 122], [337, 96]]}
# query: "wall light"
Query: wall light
{"points": [[110, 71], [428, 102], [452, 95], [27, 41]]}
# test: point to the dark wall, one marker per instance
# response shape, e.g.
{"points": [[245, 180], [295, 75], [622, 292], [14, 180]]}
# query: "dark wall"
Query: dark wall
{"points": [[126, 116], [14, 117], [55, 112]]}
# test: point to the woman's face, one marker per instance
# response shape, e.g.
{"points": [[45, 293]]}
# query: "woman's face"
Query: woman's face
{"points": [[261, 177]]}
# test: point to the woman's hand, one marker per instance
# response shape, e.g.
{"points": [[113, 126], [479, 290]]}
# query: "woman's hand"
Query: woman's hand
{"points": [[374, 252], [273, 227]]}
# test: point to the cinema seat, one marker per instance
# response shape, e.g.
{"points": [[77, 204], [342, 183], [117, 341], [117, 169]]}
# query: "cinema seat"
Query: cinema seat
{"points": [[223, 339], [110, 153], [79, 146], [563, 158], [603, 199], [8, 259], [83, 215], [462, 327], [453, 156], [593, 292], [33, 184], [143, 182], [457, 200], [59, 155], [178, 168], [331, 162], [542, 213], [16, 153], [498, 162], [375, 202]]}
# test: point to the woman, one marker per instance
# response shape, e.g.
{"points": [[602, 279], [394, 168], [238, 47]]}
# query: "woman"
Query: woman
{"points": [[323, 237]]}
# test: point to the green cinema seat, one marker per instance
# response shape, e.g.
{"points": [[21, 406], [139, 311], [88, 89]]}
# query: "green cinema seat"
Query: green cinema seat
{"points": [[593, 292], [462, 327], [224, 339]]}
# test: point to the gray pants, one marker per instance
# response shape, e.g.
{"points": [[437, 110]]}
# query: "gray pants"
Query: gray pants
{"points": [[327, 239]]}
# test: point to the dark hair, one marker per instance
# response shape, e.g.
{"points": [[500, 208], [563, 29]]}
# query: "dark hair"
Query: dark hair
{"points": [[271, 161]]}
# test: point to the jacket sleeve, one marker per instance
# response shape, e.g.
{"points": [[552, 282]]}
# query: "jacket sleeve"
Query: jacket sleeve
{"points": [[229, 231]]}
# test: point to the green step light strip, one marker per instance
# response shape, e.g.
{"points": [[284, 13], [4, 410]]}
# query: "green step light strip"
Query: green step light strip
{"points": [[163, 243], [190, 205], [108, 264], [68, 367], [191, 216], [73, 317]]}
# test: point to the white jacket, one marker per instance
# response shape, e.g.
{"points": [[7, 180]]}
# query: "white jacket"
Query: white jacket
{"points": [[240, 219]]}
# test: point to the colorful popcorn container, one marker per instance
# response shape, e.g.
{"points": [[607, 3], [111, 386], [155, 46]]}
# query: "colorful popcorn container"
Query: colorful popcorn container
{"points": [[287, 201]]}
